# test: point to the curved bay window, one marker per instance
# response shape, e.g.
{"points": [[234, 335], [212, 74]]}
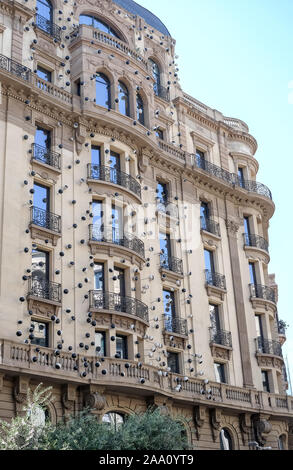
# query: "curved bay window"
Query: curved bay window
{"points": [[140, 109], [123, 96], [156, 76], [103, 91], [97, 24], [114, 419], [45, 9], [226, 440]]}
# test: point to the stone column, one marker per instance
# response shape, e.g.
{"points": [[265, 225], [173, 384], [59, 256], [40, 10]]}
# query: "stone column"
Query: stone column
{"points": [[232, 230]]}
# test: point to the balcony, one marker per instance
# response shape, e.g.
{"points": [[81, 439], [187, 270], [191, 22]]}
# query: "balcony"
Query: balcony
{"points": [[113, 176], [167, 208], [15, 68], [46, 156], [256, 241], [231, 178], [262, 292], [44, 289], [113, 236], [266, 346], [220, 343], [176, 325], [45, 225], [209, 225], [171, 264], [48, 27], [116, 303], [215, 284]]}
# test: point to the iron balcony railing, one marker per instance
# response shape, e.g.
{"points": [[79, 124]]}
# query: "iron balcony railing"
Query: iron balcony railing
{"points": [[98, 233], [215, 279], [15, 68], [44, 289], [262, 292], [48, 27], [209, 225], [115, 302], [176, 325], [162, 92], [44, 155], [45, 219], [167, 207], [266, 346], [111, 175], [256, 241], [224, 338], [171, 264], [231, 178]]}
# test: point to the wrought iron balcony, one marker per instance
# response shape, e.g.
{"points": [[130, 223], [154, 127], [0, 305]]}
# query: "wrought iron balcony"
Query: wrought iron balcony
{"points": [[231, 178], [15, 68], [209, 225], [215, 279], [111, 175], [171, 264], [162, 92], [115, 302], [266, 346], [224, 338], [262, 292], [44, 289], [48, 27], [256, 241], [167, 207], [176, 325], [44, 155], [45, 219], [98, 233]]}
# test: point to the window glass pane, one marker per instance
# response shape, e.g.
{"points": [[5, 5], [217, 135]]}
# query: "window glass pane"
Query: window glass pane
{"points": [[219, 372], [258, 324], [173, 362], [160, 134], [100, 343], [162, 192], [246, 226], [252, 273], [215, 317], [123, 97], [140, 109], [119, 282], [225, 440], [86, 19], [45, 9], [265, 381], [98, 214], [156, 75], [40, 265], [117, 223], [44, 74], [43, 137], [241, 177], [209, 260], [281, 443], [103, 97], [121, 347], [99, 277], [40, 333], [42, 197]]}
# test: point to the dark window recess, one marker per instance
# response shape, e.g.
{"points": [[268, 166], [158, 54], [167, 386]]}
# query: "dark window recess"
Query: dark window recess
{"points": [[100, 343], [44, 74], [103, 91], [220, 372], [121, 347], [160, 134], [40, 333], [123, 96], [99, 277], [140, 109], [173, 362], [265, 381]]}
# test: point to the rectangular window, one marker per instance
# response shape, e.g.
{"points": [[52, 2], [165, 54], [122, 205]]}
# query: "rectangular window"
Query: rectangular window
{"points": [[42, 197], [160, 134], [173, 362], [96, 155], [265, 381], [41, 334], [241, 177], [215, 318], [165, 250], [40, 265], [117, 224], [43, 138], [78, 87], [252, 274], [121, 346], [246, 226], [258, 324], [209, 260], [204, 215], [162, 192], [169, 309], [44, 74], [99, 277], [119, 282], [100, 343], [115, 166], [200, 159], [98, 218], [220, 372]]}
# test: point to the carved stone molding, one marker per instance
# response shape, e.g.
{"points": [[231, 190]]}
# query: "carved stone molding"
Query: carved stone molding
{"points": [[215, 420], [266, 360], [164, 404], [199, 417], [93, 397], [221, 352], [43, 309], [20, 391], [178, 341], [43, 234], [262, 427], [232, 227], [245, 425]]}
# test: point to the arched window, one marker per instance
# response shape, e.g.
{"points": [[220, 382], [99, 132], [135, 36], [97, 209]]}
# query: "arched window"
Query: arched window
{"points": [[98, 24], [45, 9], [226, 440], [156, 75], [139, 109], [281, 442], [123, 96], [103, 95], [114, 419]]}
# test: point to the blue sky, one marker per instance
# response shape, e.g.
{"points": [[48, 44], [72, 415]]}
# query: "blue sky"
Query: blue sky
{"points": [[237, 56]]}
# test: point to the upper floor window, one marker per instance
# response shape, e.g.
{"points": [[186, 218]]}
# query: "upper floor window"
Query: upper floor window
{"points": [[44, 74], [98, 24], [173, 362], [160, 134], [140, 109], [43, 138], [265, 381], [246, 222], [162, 192], [123, 96], [156, 76], [45, 9], [40, 333], [103, 95], [220, 372], [241, 177], [225, 440]]}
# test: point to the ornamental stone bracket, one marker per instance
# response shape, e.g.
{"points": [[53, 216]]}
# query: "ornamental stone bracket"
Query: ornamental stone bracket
{"points": [[199, 417], [43, 234], [170, 276], [262, 427], [143, 162], [245, 426], [232, 227], [94, 399], [121, 320], [220, 351], [2, 28], [80, 138], [215, 420], [21, 387], [42, 309], [268, 360], [174, 340], [164, 404], [68, 399], [264, 305], [216, 292], [257, 253]]}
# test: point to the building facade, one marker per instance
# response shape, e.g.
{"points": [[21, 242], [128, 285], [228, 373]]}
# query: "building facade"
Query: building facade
{"points": [[138, 231]]}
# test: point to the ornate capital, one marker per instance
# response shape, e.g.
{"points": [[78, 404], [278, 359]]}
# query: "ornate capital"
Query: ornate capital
{"points": [[232, 226]]}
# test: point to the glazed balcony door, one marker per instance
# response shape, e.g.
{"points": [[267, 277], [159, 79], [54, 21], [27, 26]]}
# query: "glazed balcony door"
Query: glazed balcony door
{"points": [[115, 166], [117, 224]]}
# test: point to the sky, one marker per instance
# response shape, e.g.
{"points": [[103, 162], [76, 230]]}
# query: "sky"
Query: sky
{"points": [[236, 56]]}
